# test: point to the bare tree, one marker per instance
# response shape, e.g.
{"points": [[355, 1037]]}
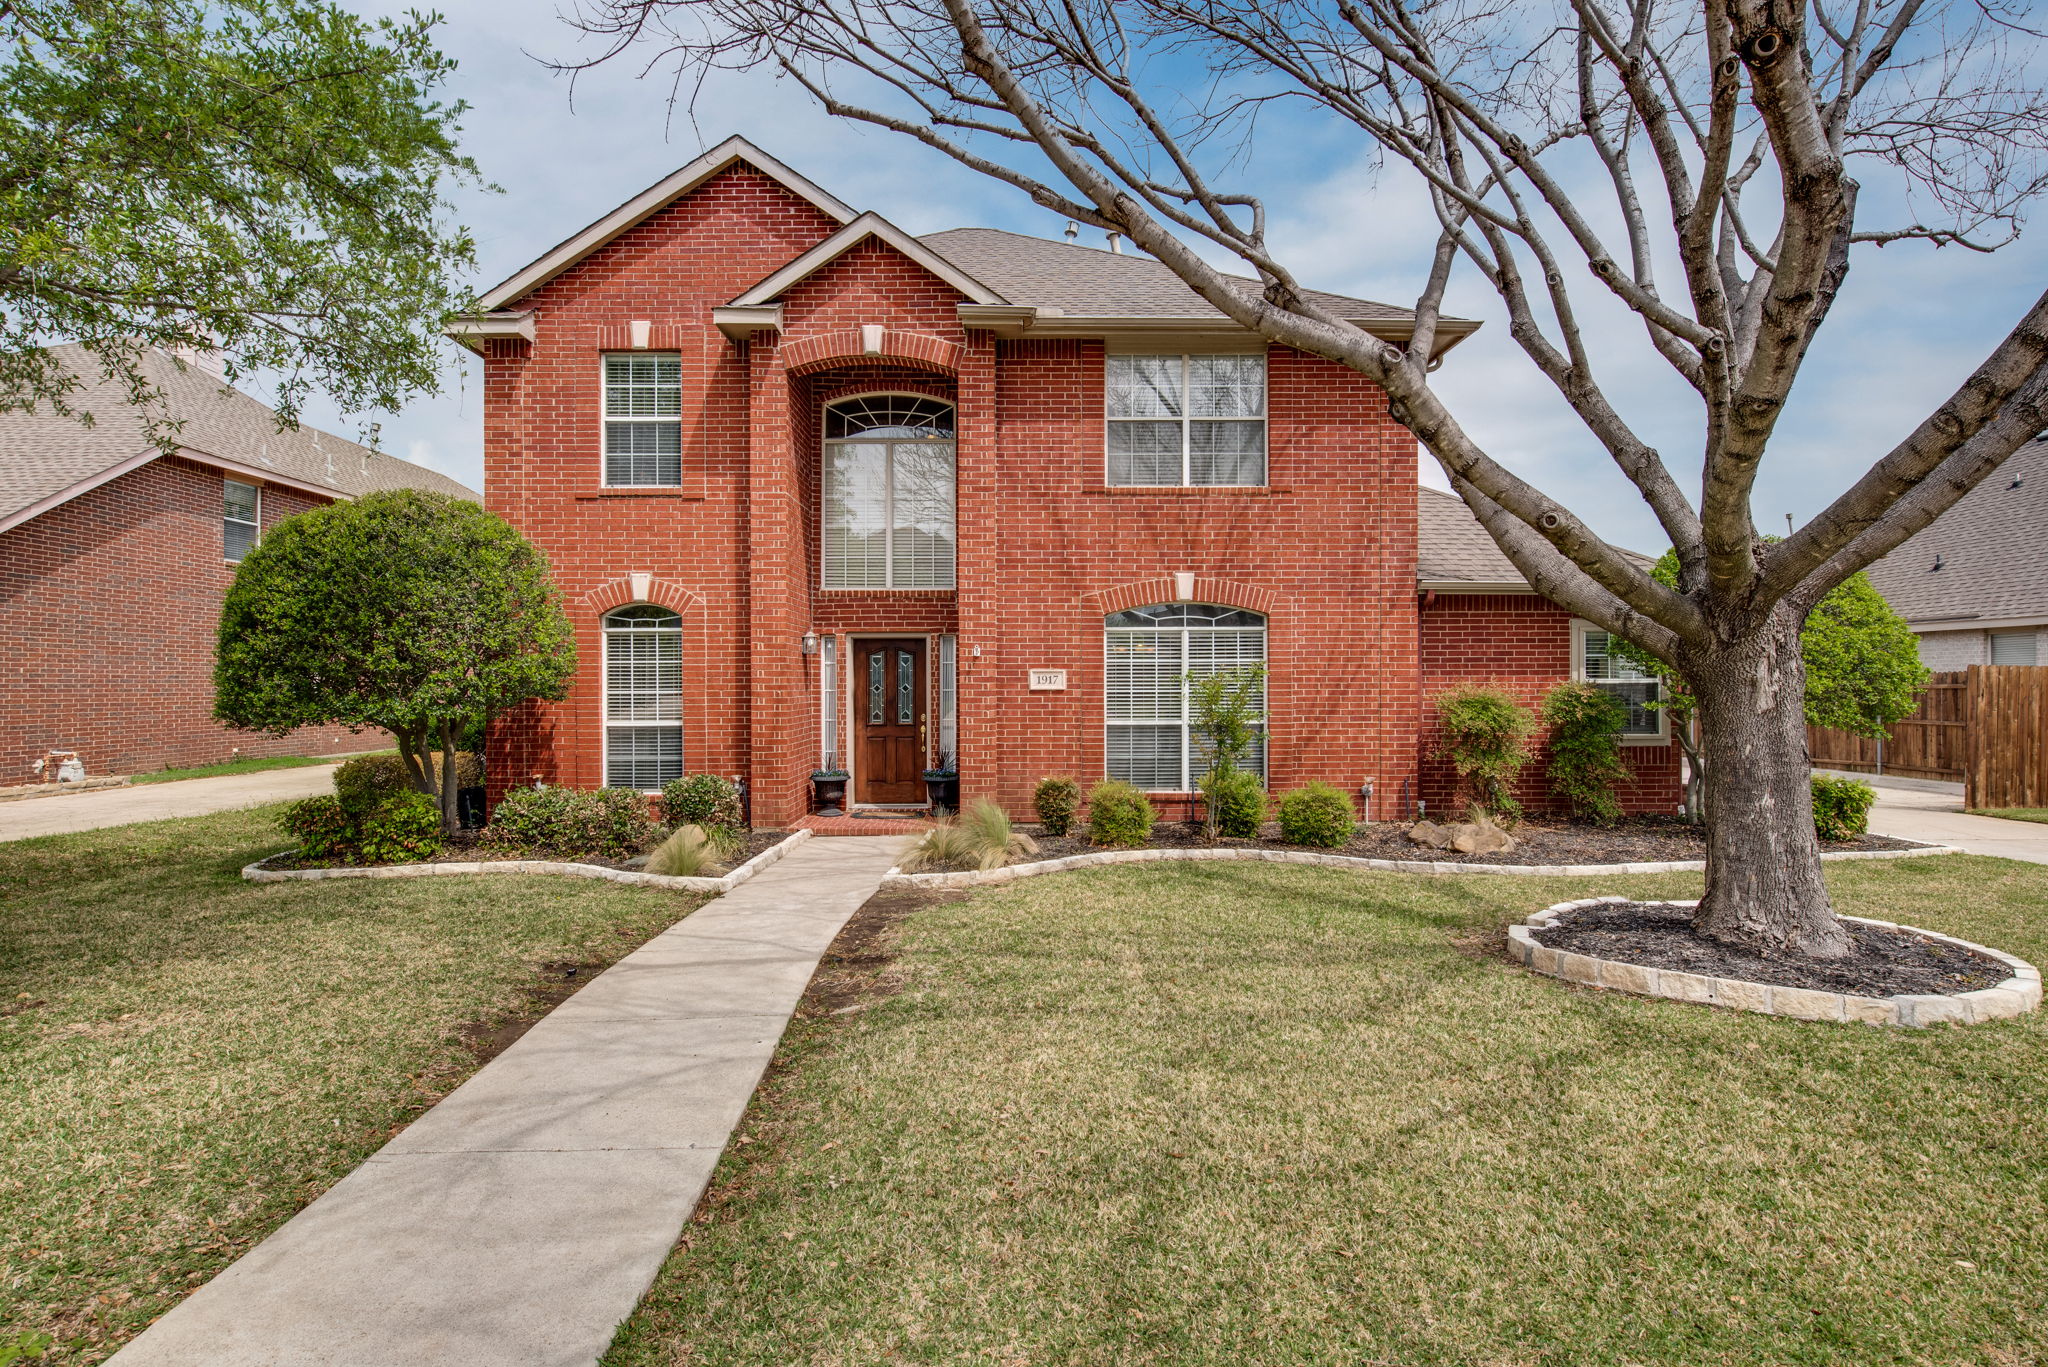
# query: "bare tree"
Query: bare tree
{"points": [[1720, 135]]}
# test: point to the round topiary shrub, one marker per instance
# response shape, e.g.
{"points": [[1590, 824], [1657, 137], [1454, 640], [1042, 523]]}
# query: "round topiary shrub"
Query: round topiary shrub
{"points": [[1056, 800], [1317, 815], [704, 800], [1841, 808], [1118, 814], [1237, 803]]}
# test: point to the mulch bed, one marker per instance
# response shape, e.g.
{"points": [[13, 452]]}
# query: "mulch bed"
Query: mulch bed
{"points": [[1635, 840], [1884, 963], [467, 848]]}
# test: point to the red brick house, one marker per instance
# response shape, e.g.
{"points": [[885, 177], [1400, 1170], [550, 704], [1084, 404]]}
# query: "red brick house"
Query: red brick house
{"points": [[114, 558], [817, 489]]}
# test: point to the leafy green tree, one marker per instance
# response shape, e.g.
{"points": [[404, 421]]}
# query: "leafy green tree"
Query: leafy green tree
{"points": [[261, 175], [413, 612], [1863, 671], [1226, 708]]}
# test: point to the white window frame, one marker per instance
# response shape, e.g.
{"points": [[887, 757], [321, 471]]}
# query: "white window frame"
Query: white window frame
{"points": [[255, 526], [607, 421], [604, 677], [825, 445], [1188, 419], [1662, 735], [1186, 722]]}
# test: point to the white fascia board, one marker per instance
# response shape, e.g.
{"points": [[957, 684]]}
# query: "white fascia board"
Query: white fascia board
{"points": [[858, 231], [471, 328], [740, 322], [1054, 323], [1975, 623], [651, 201], [1472, 586]]}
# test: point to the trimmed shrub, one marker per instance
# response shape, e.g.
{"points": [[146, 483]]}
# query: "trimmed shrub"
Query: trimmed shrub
{"points": [[1317, 815], [1237, 802], [1485, 735], [1056, 800], [1585, 749], [1841, 807], [608, 822], [372, 778], [694, 851], [702, 800], [1118, 814], [401, 829]]}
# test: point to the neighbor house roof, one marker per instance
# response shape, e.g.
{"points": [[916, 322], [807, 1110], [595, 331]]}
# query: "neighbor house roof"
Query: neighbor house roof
{"points": [[47, 460], [1994, 565]]}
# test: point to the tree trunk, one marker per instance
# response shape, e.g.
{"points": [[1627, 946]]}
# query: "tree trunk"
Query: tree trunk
{"points": [[415, 754], [450, 819], [1764, 887]]}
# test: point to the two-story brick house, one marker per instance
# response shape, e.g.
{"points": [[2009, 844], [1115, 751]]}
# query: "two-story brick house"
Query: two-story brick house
{"points": [[819, 490]]}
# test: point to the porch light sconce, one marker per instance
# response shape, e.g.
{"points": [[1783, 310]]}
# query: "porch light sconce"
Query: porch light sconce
{"points": [[810, 643]]}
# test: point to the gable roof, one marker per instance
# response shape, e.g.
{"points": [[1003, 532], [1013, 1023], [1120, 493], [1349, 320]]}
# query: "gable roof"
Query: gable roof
{"points": [[1453, 548], [862, 228], [1993, 563], [47, 460], [650, 202]]}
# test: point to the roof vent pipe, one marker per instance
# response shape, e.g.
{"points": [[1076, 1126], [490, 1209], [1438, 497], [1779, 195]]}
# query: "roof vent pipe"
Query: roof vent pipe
{"points": [[1073, 230], [1116, 244]]}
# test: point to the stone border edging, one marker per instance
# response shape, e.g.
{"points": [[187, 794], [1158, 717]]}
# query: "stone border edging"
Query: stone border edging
{"points": [[256, 873], [974, 877], [2014, 996]]}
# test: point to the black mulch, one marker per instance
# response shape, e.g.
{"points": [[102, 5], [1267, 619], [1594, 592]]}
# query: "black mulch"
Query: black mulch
{"points": [[1636, 840], [1885, 962]]}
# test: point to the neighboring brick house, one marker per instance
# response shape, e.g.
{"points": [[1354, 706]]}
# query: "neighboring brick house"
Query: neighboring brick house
{"points": [[114, 558], [814, 488], [1973, 584]]}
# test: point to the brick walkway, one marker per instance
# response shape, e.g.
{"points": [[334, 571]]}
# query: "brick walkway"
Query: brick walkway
{"points": [[862, 825]]}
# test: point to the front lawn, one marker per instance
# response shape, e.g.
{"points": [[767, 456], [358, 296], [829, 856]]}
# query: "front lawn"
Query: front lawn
{"points": [[188, 1059], [2013, 813], [1243, 1114]]}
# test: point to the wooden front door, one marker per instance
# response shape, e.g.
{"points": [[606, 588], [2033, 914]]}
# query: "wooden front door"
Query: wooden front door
{"points": [[889, 716]]}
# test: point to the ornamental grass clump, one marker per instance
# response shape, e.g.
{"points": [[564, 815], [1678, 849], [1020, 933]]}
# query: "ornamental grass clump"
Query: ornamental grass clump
{"points": [[1585, 750], [1056, 800], [979, 838], [1118, 814], [694, 851], [702, 800], [1485, 735], [1841, 808], [1317, 815]]}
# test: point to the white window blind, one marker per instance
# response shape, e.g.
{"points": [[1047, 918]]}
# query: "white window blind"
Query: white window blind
{"points": [[888, 493], [2015, 647], [241, 519], [1186, 420], [1150, 654], [1600, 664], [643, 697], [828, 704], [643, 428]]}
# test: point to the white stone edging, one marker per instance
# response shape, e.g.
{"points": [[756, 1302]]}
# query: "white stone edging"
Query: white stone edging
{"points": [[2013, 996], [256, 873], [974, 877]]}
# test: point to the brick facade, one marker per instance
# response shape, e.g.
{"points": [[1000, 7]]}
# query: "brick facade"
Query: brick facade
{"points": [[109, 604], [1045, 547]]}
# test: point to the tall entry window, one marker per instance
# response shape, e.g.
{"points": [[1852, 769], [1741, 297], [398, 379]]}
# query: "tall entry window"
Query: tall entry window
{"points": [[1150, 654], [643, 697], [888, 493]]}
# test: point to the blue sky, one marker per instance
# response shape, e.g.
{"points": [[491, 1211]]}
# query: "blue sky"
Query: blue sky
{"points": [[1910, 324]]}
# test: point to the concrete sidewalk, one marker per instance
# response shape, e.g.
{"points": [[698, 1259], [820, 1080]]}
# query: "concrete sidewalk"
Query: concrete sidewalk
{"points": [[518, 1222], [1919, 809], [157, 801]]}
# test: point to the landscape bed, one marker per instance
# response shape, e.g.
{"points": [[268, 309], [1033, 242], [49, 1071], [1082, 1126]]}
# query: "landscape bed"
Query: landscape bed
{"points": [[467, 848]]}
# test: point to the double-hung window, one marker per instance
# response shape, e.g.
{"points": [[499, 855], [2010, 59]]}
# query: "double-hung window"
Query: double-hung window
{"points": [[888, 493], [241, 519], [1150, 655], [1601, 665], [1187, 420], [643, 423], [643, 697]]}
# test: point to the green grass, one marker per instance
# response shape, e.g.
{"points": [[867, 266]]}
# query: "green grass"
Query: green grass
{"points": [[191, 1058], [234, 766], [2013, 813], [1242, 1114]]}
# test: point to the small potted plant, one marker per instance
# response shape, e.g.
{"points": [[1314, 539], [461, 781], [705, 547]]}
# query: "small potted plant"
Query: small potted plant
{"points": [[828, 789], [942, 784]]}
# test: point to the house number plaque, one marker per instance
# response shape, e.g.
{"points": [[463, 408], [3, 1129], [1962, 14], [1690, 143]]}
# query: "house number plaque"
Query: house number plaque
{"points": [[1048, 680]]}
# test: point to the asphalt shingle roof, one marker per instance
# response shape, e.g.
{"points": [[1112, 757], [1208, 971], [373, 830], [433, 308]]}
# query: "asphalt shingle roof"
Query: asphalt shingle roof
{"points": [[42, 454], [1993, 561], [1086, 282], [1451, 545]]}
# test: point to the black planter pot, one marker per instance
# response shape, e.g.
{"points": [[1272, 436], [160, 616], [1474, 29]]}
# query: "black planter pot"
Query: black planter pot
{"points": [[828, 794], [469, 808], [943, 791]]}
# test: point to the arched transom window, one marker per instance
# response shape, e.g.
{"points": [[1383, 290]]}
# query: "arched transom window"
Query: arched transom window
{"points": [[643, 697], [1151, 653], [888, 493]]}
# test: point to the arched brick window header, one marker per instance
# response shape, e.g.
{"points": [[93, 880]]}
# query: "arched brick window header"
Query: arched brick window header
{"points": [[1145, 592], [628, 589], [851, 347]]}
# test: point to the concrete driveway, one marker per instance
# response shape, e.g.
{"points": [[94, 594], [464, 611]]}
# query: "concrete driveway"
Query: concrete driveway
{"points": [[156, 801], [1914, 809]]}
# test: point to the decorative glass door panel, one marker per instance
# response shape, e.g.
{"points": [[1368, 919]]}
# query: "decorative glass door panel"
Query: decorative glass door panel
{"points": [[891, 713]]}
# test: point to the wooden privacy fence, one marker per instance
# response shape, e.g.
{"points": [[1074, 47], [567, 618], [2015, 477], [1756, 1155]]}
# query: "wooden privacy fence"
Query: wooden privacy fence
{"points": [[1985, 727]]}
